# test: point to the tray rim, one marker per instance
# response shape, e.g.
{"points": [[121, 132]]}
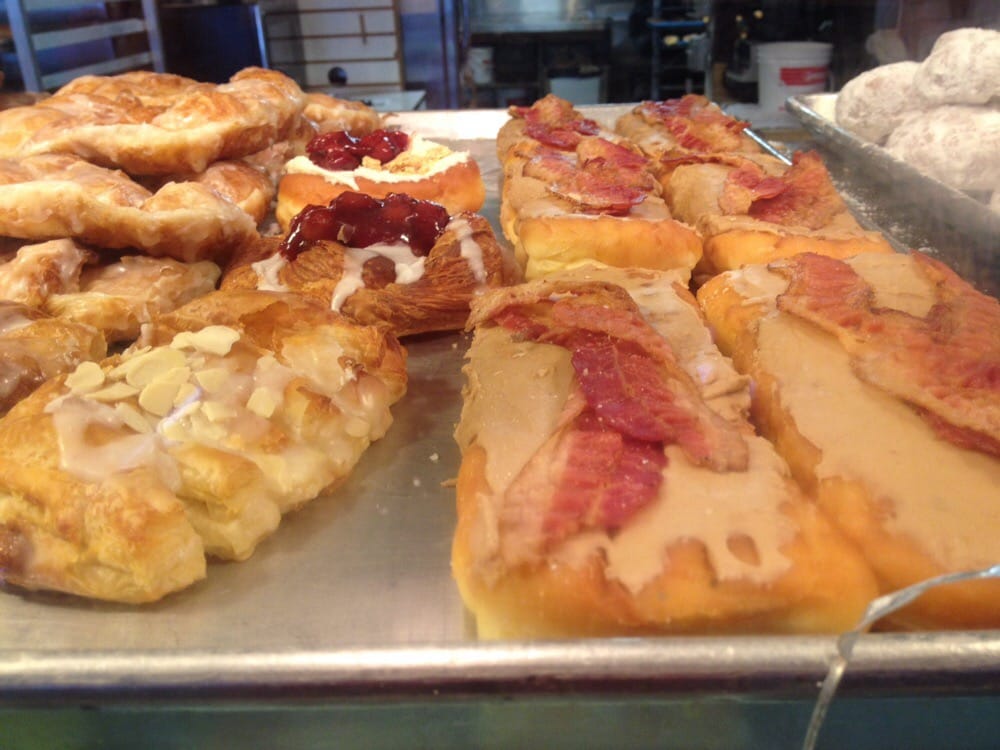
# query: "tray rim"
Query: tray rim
{"points": [[966, 662]]}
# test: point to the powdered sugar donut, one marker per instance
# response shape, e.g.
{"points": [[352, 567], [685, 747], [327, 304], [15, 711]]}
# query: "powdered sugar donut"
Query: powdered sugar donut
{"points": [[962, 68], [955, 143], [872, 104]]}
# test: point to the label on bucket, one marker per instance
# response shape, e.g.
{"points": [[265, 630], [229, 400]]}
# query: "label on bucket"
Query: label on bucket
{"points": [[804, 76]]}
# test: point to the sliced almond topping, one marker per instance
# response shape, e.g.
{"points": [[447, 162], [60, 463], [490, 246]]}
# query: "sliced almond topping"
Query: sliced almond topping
{"points": [[158, 397], [173, 429], [87, 377], [132, 417], [144, 368], [186, 393], [114, 392], [177, 375], [202, 429], [211, 339], [263, 401], [216, 411], [213, 379]]}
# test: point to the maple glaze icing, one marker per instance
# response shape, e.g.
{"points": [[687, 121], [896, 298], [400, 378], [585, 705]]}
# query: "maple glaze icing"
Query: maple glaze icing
{"points": [[469, 248], [707, 506], [723, 389], [942, 496], [515, 398]]}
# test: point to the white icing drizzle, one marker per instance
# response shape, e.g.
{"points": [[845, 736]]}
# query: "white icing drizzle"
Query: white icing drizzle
{"points": [[71, 417], [267, 271], [409, 268], [469, 248], [28, 274], [155, 399]]}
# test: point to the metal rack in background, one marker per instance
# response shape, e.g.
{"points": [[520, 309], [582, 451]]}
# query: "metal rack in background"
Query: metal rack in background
{"points": [[675, 21], [50, 37]]}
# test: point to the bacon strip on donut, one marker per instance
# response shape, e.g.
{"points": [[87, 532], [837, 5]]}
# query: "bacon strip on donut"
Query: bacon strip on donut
{"points": [[553, 121], [695, 123], [803, 196], [946, 364], [599, 176], [605, 464]]}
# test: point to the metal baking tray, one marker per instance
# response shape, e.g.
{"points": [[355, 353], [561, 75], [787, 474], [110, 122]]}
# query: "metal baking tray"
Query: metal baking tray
{"points": [[353, 595], [917, 210]]}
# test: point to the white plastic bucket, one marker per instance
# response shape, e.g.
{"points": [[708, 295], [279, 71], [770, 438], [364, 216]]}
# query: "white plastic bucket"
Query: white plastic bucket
{"points": [[791, 68], [583, 89], [481, 64]]}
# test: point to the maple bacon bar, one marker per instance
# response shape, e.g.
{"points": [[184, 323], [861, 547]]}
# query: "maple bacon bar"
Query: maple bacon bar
{"points": [[610, 483], [573, 193], [877, 378]]}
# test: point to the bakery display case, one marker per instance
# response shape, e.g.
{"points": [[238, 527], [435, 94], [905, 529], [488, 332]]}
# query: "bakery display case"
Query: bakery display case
{"points": [[346, 628]]}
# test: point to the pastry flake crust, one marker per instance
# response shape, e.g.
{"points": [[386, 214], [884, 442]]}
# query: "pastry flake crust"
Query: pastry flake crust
{"points": [[228, 413], [465, 260], [327, 113], [114, 295], [673, 130], [155, 123], [755, 209], [35, 346], [56, 196], [594, 201], [244, 183]]}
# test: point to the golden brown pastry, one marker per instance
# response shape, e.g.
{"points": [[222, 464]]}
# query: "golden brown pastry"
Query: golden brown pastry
{"points": [[35, 346], [55, 196], [570, 196], [551, 121], [672, 130], [876, 377], [245, 183], [156, 123], [416, 286], [116, 296], [754, 209], [37, 271], [611, 485], [117, 479], [327, 113]]}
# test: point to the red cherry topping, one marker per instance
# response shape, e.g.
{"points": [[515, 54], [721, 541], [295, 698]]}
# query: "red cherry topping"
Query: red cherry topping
{"points": [[340, 150], [359, 220]]}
